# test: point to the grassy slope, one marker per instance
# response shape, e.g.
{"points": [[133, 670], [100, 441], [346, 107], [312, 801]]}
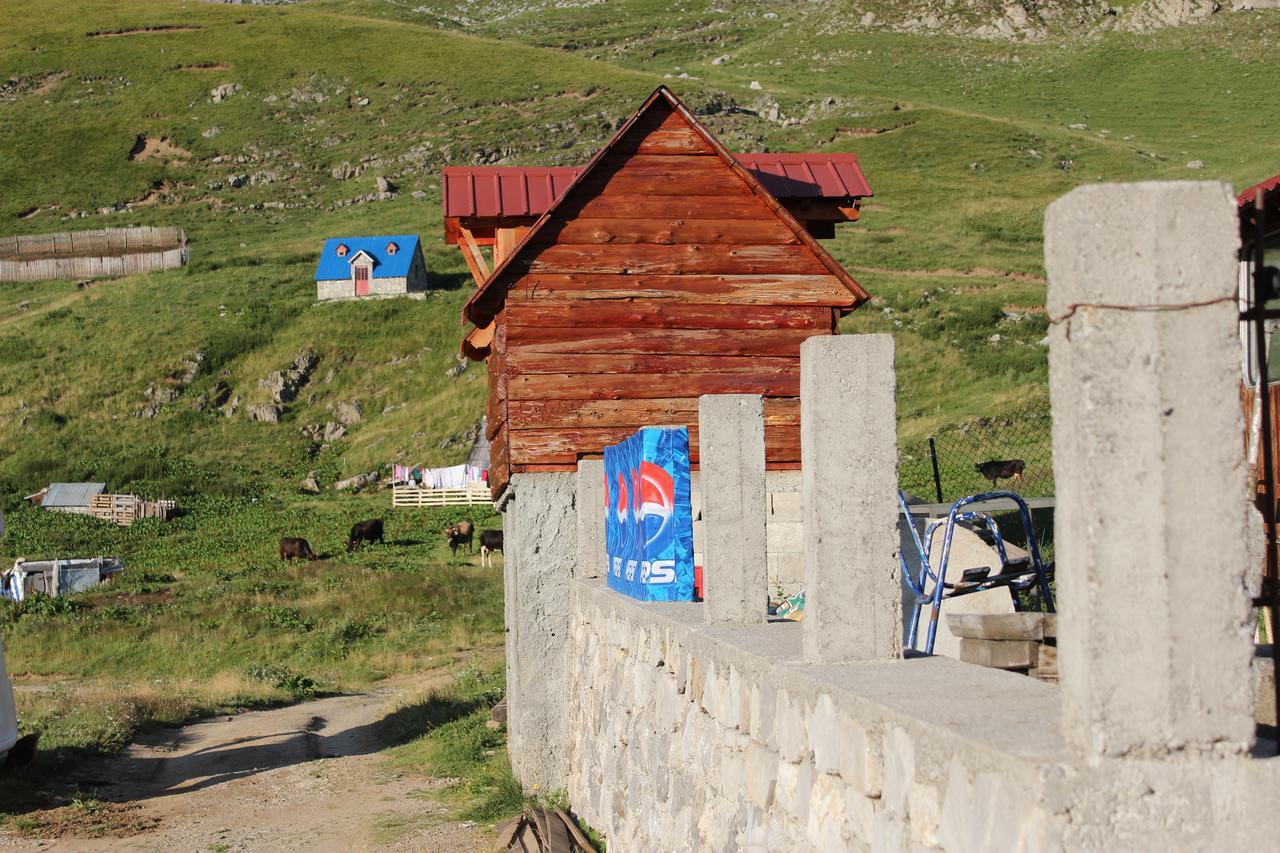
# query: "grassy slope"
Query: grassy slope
{"points": [[976, 144]]}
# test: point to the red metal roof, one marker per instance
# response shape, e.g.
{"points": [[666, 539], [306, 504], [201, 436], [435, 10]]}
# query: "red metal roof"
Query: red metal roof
{"points": [[530, 191], [808, 175], [503, 190], [1266, 186]]}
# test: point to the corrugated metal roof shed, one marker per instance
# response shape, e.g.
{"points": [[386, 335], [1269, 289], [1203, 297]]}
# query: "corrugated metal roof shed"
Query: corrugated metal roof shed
{"points": [[71, 494], [500, 191]]}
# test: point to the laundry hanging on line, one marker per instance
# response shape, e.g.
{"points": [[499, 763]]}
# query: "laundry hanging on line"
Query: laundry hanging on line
{"points": [[452, 477]]}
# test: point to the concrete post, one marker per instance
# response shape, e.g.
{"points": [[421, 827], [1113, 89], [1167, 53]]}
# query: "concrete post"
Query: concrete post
{"points": [[849, 451], [735, 567], [1148, 453], [541, 552], [591, 557]]}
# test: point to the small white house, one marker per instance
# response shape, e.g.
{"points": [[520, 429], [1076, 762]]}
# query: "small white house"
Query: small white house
{"points": [[368, 267]]}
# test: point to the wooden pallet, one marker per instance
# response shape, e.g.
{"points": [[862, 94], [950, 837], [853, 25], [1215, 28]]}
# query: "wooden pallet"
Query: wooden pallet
{"points": [[124, 510], [1020, 642]]}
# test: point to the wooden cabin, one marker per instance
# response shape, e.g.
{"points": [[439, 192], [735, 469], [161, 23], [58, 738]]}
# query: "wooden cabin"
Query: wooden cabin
{"points": [[664, 269]]}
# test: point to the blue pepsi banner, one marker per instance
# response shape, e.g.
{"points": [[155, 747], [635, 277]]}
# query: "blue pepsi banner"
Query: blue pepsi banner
{"points": [[648, 518]]}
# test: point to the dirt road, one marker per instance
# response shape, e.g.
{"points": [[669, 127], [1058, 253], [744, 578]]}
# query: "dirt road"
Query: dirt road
{"points": [[307, 777]]}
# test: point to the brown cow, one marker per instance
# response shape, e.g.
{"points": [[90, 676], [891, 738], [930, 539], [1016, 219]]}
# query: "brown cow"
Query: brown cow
{"points": [[294, 548], [365, 531], [459, 534], [1001, 469]]}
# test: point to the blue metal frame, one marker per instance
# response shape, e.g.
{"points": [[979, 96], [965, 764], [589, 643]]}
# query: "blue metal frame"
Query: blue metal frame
{"points": [[935, 596]]}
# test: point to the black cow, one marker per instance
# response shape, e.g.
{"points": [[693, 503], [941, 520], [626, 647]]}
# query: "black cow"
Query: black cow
{"points": [[458, 535], [1001, 469], [490, 541], [294, 548], [365, 531]]}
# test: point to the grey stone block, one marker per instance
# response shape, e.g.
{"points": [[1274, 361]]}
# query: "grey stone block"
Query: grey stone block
{"points": [[1144, 359], [849, 447], [734, 508], [591, 510], [541, 552]]}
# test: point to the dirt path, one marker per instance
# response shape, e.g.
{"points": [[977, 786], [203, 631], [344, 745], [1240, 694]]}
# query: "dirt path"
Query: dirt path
{"points": [[306, 777]]}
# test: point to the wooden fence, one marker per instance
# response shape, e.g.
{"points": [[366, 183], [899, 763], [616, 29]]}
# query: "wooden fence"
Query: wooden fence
{"points": [[124, 510], [91, 254], [407, 496]]}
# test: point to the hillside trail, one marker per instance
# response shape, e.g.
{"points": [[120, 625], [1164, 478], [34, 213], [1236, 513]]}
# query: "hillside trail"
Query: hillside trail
{"points": [[305, 777]]}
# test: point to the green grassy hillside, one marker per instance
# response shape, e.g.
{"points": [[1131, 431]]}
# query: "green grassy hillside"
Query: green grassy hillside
{"points": [[965, 142]]}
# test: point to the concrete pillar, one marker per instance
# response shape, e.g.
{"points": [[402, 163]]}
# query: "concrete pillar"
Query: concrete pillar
{"points": [[541, 553], [591, 559], [735, 568], [1154, 641], [849, 451]]}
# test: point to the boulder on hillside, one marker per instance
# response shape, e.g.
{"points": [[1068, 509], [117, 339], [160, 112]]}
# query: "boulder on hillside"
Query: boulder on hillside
{"points": [[309, 486], [266, 413], [358, 482], [350, 413], [221, 93], [285, 384]]}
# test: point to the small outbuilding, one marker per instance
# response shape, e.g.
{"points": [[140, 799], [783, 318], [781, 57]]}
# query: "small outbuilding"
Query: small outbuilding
{"points": [[368, 267], [67, 497], [664, 269]]}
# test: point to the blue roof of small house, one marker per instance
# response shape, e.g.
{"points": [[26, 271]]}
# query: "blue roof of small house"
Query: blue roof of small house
{"points": [[332, 266]]}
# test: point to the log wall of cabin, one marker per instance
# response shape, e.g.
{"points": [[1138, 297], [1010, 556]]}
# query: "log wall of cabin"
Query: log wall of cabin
{"points": [[660, 277]]}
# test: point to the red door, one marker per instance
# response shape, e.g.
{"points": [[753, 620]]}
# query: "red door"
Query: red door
{"points": [[362, 281]]}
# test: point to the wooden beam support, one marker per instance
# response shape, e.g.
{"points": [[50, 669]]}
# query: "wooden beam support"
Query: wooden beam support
{"points": [[474, 256]]}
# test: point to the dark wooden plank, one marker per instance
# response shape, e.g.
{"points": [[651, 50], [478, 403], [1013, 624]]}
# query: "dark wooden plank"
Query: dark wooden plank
{"points": [[821, 209], [636, 316], [587, 339], [665, 207], [578, 838], [526, 361], [675, 259], [561, 414], [564, 446], [602, 386], [749, 289], [499, 462], [666, 231]]}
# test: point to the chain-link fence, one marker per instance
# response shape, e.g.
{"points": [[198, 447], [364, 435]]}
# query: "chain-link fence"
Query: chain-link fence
{"points": [[961, 459]]}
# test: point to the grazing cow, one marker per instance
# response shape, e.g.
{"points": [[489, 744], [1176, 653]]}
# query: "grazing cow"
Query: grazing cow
{"points": [[365, 531], [1001, 469], [490, 541], [294, 548], [458, 535]]}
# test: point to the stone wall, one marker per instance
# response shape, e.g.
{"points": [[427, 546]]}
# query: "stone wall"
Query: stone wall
{"points": [[674, 729], [345, 289], [691, 737]]}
